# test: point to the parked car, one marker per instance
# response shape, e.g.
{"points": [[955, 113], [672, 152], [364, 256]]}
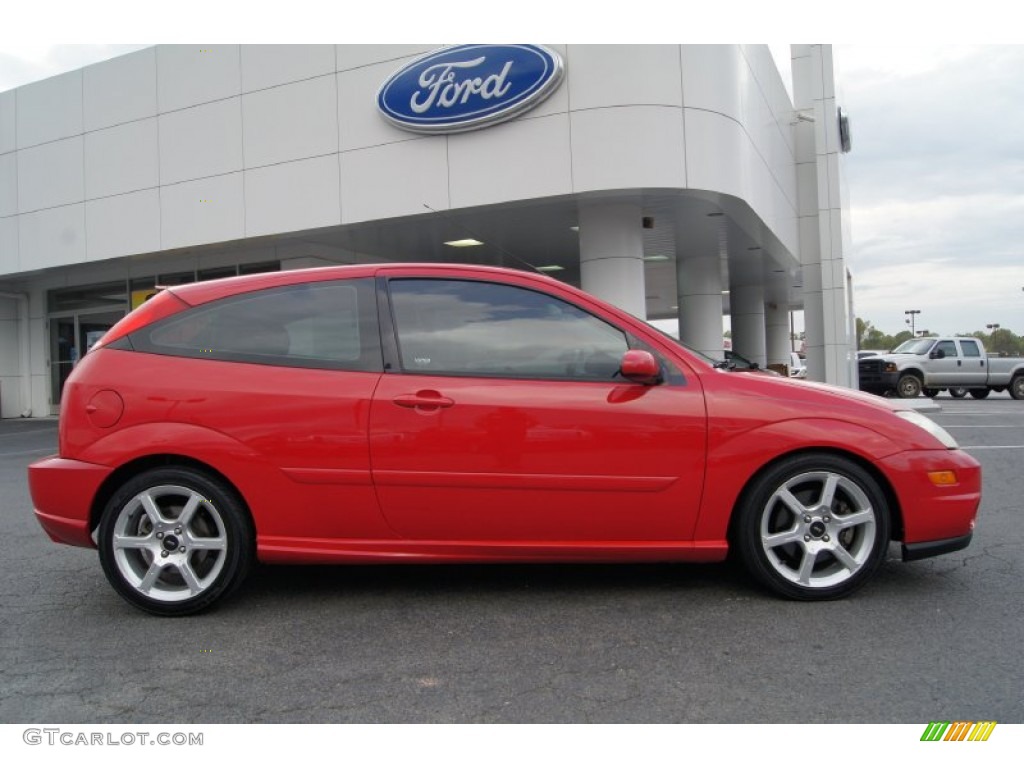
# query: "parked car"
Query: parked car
{"points": [[862, 353], [440, 413], [930, 365], [797, 366]]}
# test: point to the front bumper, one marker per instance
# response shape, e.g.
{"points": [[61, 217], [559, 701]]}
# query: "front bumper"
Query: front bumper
{"points": [[925, 549], [62, 494], [936, 518], [878, 382]]}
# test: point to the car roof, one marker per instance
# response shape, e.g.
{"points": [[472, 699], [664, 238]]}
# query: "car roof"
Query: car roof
{"points": [[211, 290]]}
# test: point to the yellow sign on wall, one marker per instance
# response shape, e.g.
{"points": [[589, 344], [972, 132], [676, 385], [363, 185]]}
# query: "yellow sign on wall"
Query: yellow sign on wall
{"points": [[141, 297]]}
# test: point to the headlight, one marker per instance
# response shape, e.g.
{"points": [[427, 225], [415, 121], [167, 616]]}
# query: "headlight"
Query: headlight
{"points": [[929, 426]]}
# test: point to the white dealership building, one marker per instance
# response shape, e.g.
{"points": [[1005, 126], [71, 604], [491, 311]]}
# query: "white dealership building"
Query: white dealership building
{"points": [[674, 181]]}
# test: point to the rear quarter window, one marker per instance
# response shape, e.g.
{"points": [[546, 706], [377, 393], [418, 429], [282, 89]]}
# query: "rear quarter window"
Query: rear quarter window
{"points": [[312, 325]]}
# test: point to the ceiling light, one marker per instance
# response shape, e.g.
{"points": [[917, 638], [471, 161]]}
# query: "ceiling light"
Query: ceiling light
{"points": [[550, 268], [467, 243], [575, 229], [656, 257]]}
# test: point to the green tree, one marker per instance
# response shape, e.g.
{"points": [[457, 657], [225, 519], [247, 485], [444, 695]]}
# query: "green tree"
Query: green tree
{"points": [[1005, 342], [869, 337], [899, 338], [1002, 341]]}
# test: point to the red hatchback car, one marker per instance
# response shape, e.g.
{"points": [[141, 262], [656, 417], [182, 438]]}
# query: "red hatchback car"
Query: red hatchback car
{"points": [[426, 413]]}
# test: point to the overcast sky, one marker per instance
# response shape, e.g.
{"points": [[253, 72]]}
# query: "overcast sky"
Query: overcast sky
{"points": [[936, 182], [935, 178]]}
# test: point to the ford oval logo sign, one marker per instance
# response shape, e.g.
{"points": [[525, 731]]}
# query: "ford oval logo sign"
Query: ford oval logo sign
{"points": [[469, 86]]}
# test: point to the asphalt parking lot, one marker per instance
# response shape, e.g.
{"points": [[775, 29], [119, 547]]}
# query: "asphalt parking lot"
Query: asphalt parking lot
{"points": [[938, 639]]}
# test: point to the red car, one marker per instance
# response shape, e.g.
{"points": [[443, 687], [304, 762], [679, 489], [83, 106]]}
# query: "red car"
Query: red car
{"points": [[425, 413]]}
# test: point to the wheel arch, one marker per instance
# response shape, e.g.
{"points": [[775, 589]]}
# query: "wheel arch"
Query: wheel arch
{"points": [[896, 511], [122, 474], [1016, 385]]}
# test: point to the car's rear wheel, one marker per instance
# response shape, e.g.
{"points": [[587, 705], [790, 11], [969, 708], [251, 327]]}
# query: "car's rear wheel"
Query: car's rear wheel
{"points": [[173, 540], [978, 393], [813, 527], [958, 392], [1017, 387]]}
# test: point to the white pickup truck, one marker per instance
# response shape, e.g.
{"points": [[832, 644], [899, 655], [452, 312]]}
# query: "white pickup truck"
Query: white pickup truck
{"points": [[929, 365]]}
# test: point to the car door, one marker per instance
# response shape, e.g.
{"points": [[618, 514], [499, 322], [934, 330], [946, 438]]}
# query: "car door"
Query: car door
{"points": [[945, 370], [975, 370], [504, 419]]}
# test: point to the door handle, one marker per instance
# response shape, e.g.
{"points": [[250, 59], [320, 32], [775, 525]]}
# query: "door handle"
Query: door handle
{"points": [[959, 363], [425, 399]]}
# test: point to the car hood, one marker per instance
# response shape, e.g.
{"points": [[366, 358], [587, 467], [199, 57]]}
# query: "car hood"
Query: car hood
{"points": [[797, 389], [890, 358]]}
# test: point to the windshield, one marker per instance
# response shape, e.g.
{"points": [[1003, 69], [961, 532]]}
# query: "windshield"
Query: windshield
{"points": [[914, 347]]}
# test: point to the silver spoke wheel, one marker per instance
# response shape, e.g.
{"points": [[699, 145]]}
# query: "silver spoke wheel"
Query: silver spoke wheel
{"points": [[814, 526], [170, 543], [818, 529], [173, 540]]}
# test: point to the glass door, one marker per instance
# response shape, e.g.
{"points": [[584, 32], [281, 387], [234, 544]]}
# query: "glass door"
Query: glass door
{"points": [[71, 336], [63, 354]]}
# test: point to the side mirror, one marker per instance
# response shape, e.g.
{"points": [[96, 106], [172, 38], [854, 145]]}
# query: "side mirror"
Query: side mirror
{"points": [[640, 367], [937, 354]]}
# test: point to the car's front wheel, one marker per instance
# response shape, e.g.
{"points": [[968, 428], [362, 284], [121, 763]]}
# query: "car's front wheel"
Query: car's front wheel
{"points": [[173, 540], [909, 385], [813, 527]]}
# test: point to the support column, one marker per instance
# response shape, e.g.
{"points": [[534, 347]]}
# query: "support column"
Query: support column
{"points": [[776, 321], [612, 255], [699, 278], [822, 218], [748, 330]]}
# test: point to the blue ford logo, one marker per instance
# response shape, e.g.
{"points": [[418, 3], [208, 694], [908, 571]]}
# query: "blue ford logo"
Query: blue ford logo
{"points": [[469, 86]]}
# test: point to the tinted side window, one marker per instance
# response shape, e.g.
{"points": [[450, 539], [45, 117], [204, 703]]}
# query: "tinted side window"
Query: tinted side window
{"points": [[485, 329], [947, 347], [970, 348], [313, 325]]}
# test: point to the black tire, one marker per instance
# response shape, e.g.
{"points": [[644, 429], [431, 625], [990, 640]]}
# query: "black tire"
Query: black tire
{"points": [[958, 392], [1017, 387], [815, 553], [174, 567], [978, 394], [909, 385], [930, 392]]}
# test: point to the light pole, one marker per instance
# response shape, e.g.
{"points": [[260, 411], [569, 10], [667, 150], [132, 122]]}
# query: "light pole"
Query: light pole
{"points": [[912, 313], [993, 326]]}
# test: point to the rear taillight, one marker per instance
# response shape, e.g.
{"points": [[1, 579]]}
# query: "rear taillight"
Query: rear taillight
{"points": [[160, 306]]}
